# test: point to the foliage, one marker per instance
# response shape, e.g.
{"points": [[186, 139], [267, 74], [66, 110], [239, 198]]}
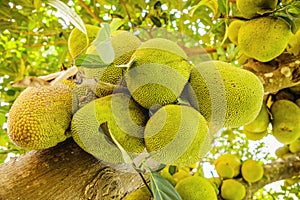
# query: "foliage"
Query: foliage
{"points": [[34, 38]]}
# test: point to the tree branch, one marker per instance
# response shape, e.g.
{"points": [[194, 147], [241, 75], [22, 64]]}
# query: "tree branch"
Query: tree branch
{"points": [[90, 11], [63, 172]]}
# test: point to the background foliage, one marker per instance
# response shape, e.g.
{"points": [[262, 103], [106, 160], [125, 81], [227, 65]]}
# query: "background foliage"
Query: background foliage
{"points": [[34, 36]]}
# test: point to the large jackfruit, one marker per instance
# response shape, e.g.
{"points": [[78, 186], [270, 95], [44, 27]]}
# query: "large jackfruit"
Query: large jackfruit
{"points": [[177, 135], [116, 115], [286, 121], [40, 116], [195, 188], [158, 72], [264, 38], [225, 95], [253, 8]]}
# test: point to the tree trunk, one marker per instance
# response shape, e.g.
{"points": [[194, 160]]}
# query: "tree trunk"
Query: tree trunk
{"points": [[63, 172]]}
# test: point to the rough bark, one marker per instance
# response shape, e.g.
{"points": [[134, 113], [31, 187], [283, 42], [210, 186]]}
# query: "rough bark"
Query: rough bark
{"points": [[61, 173]]}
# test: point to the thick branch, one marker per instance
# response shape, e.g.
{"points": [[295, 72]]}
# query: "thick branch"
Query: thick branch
{"points": [[63, 172]]}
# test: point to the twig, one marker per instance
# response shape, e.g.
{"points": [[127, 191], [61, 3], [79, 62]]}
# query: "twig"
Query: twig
{"points": [[90, 11]]}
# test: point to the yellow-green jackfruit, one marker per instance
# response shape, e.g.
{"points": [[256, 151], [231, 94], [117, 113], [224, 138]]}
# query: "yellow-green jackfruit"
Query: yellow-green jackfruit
{"points": [[177, 135], [158, 73], [140, 194], [40, 116], [253, 8], [232, 190], [230, 161], [78, 41], [225, 95], [195, 188], [286, 121], [252, 171], [115, 116], [264, 38], [233, 30], [261, 122]]}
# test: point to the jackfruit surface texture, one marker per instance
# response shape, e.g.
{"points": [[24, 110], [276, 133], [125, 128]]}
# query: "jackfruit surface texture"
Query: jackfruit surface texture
{"points": [[40, 116], [114, 115], [264, 38], [195, 188], [177, 135], [158, 73], [225, 95], [253, 8]]}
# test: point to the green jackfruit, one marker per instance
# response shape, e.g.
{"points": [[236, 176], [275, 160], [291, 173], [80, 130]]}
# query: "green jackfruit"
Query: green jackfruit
{"points": [[252, 171], [253, 8], [225, 95], [261, 122], [124, 44], [116, 115], [232, 161], [195, 188], [294, 44], [40, 116], [255, 135], [177, 135], [233, 190], [224, 170], [281, 151], [140, 194], [264, 38], [294, 147], [146, 78], [233, 30], [286, 121], [78, 41]]}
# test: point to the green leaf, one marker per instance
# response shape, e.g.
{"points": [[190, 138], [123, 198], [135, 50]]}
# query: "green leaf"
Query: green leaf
{"points": [[115, 24], [69, 14], [212, 4], [162, 189], [222, 6], [90, 61], [103, 45]]}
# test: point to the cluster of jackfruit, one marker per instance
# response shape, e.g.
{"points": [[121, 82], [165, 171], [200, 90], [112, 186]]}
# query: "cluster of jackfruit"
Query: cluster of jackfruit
{"points": [[261, 35], [233, 174], [135, 103]]}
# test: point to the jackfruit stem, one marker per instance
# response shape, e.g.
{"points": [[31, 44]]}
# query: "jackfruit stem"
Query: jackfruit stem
{"points": [[64, 75], [127, 65]]}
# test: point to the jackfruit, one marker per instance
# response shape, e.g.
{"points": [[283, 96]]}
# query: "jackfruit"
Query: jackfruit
{"points": [[124, 44], [78, 41], [264, 38], [146, 78], [180, 175], [281, 151], [286, 121], [255, 135], [140, 194], [177, 135], [195, 188], [233, 30], [253, 8], [260, 123], [166, 174], [40, 116], [294, 44], [225, 95], [114, 115], [224, 170], [231, 161], [233, 190], [252, 171], [294, 147]]}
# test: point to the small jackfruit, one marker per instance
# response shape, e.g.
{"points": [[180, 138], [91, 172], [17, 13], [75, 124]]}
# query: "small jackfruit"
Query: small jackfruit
{"points": [[231, 161], [281, 151], [286, 121], [146, 78], [124, 44], [261, 122], [117, 116], [180, 175], [255, 135], [78, 41], [177, 135], [195, 188], [232, 190], [225, 95], [233, 30], [40, 116], [264, 38], [140, 194], [224, 170], [294, 147], [252, 171], [253, 8]]}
